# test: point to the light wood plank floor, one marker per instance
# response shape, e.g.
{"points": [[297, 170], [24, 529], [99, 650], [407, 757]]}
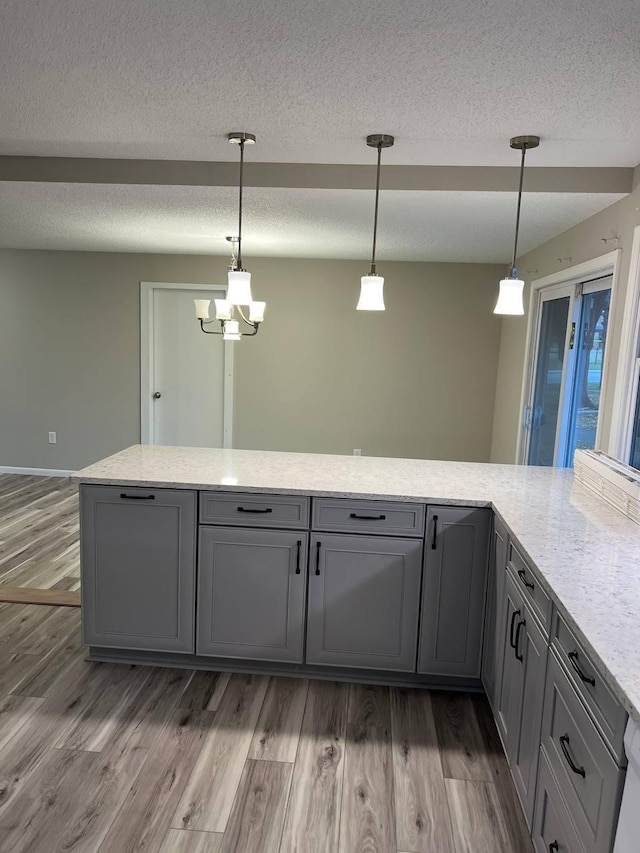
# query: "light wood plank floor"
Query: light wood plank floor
{"points": [[102, 758], [39, 532]]}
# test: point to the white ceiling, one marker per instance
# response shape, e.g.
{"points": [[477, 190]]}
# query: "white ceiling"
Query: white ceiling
{"points": [[453, 79], [415, 226]]}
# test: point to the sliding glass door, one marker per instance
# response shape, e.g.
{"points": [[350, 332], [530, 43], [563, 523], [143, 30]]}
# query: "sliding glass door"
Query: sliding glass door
{"points": [[568, 372], [544, 413], [589, 372]]}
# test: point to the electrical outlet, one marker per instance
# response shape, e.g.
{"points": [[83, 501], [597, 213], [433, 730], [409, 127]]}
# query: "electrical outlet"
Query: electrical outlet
{"points": [[52, 438], [357, 451]]}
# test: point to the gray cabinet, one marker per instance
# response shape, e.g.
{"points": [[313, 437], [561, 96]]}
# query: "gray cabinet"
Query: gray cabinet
{"points": [[453, 595], [587, 774], [520, 704], [138, 568], [364, 594], [251, 593], [494, 612]]}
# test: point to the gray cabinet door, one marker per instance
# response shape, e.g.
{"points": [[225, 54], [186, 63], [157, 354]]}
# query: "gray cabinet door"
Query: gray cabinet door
{"points": [[519, 712], [509, 705], [251, 591], [531, 653], [138, 568], [494, 612], [364, 596], [453, 594]]}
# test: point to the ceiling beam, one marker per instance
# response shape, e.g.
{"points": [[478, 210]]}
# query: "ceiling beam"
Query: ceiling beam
{"points": [[80, 170]]}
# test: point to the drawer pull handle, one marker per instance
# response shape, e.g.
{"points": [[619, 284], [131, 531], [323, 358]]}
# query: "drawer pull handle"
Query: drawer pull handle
{"points": [[126, 497], [249, 509], [318, 558], [514, 616], [299, 546], [554, 847], [573, 660], [368, 517], [521, 624], [524, 580], [434, 542], [564, 744]]}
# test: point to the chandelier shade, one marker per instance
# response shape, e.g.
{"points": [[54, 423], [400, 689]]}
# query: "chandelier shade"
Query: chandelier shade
{"points": [[371, 293]]}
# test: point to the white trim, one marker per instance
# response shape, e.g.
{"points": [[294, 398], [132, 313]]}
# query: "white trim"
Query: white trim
{"points": [[147, 289], [579, 273], [36, 472], [624, 400], [607, 264]]}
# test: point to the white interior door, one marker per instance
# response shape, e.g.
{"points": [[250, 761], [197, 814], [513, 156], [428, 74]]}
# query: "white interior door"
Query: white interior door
{"points": [[189, 373]]}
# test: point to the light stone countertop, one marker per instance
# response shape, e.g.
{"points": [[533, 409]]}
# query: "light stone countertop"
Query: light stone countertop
{"points": [[587, 553]]}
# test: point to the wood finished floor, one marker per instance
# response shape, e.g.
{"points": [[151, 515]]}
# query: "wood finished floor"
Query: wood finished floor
{"points": [[102, 758], [39, 532]]}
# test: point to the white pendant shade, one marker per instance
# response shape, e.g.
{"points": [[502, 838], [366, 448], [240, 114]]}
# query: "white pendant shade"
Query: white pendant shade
{"points": [[371, 296], [202, 308], [223, 309], [239, 290], [256, 312], [231, 330], [510, 299]]}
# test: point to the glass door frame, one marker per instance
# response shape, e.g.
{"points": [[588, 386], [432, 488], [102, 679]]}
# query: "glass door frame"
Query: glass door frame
{"points": [[549, 294], [599, 267]]}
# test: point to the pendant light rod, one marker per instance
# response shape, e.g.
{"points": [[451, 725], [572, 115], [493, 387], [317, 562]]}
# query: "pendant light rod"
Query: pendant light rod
{"points": [[240, 202], [379, 141], [521, 143], [241, 138]]}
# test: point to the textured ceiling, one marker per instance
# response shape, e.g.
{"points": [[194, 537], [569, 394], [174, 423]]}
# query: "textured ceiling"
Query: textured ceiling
{"points": [[415, 226], [453, 79]]}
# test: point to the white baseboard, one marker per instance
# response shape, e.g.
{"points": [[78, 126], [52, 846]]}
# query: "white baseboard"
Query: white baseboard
{"points": [[35, 472]]}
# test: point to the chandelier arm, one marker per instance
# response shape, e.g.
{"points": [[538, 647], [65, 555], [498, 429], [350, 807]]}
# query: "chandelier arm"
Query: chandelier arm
{"points": [[241, 312], [256, 326], [206, 331]]}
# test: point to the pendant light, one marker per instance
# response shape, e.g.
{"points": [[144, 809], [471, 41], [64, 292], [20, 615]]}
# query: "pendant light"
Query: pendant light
{"points": [[238, 279], [510, 299], [371, 286]]}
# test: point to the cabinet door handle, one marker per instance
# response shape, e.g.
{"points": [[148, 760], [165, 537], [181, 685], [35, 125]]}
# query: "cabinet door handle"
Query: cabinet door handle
{"points": [[299, 546], [514, 616], [434, 541], [564, 743], [368, 517], [573, 660], [250, 509], [524, 580], [318, 558], [521, 624], [554, 847], [126, 497]]}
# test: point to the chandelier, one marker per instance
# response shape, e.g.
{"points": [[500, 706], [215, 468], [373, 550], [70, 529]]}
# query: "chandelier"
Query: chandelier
{"points": [[239, 280]]}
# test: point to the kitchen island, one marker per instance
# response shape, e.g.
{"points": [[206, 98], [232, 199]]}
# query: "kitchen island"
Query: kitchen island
{"points": [[366, 568]]}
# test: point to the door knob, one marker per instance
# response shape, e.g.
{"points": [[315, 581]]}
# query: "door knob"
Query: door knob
{"points": [[157, 395]]}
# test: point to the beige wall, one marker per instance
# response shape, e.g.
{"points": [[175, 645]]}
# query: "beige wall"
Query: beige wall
{"points": [[416, 381], [581, 243]]}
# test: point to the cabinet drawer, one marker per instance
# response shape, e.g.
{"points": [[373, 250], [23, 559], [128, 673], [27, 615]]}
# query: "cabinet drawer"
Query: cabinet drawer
{"points": [[379, 517], [284, 511], [587, 774], [533, 593], [609, 714], [553, 829]]}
